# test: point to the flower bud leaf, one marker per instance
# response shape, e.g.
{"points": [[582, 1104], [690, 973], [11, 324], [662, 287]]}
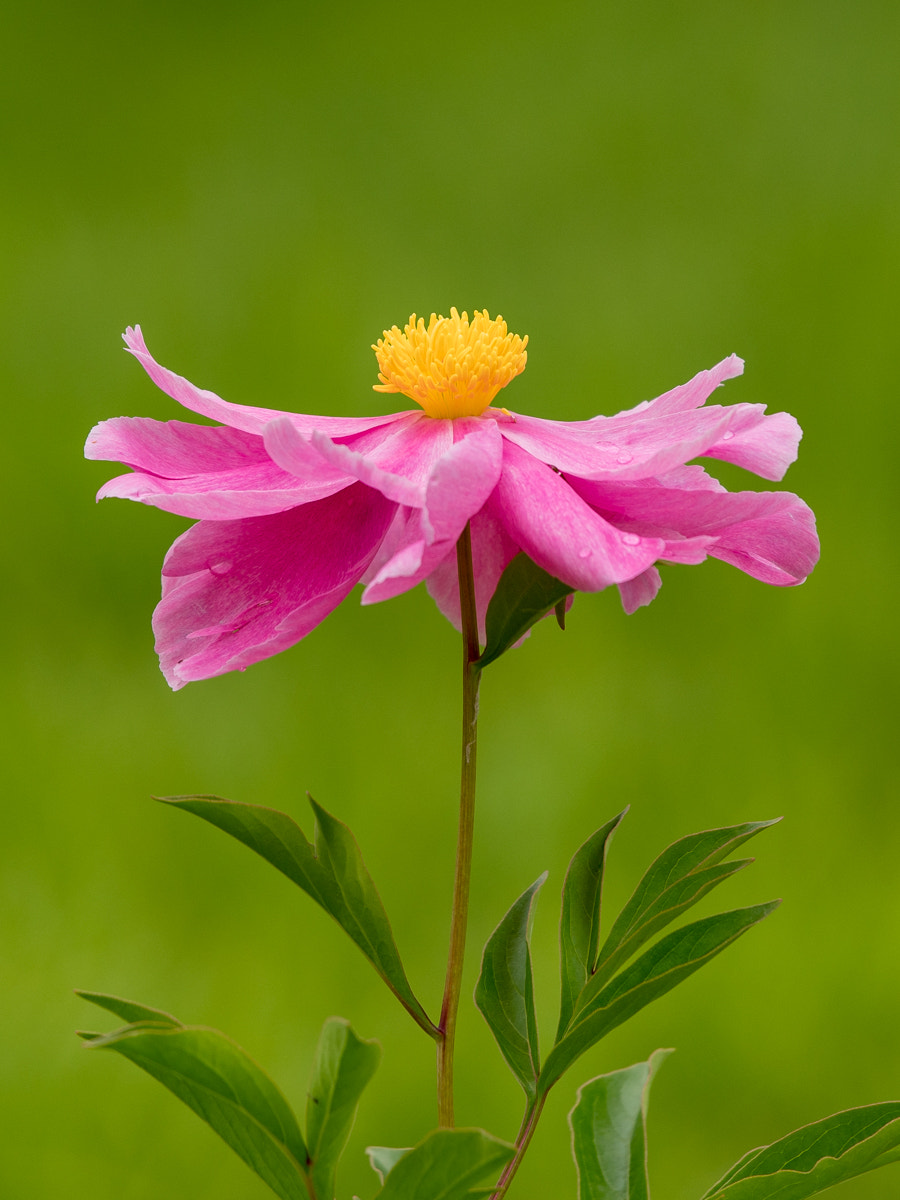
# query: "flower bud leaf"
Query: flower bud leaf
{"points": [[609, 1132], [330, 870], [659, 969], [224, 1087], [448, 1163], [505, 991], [525, 594], [818, 1156]]}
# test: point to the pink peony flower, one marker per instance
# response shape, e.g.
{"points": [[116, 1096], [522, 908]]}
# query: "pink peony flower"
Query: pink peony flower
{"points": [[293, 511]]}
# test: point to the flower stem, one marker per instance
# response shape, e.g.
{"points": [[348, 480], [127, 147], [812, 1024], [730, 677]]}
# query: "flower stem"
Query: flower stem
{"points": [[471, 676], [523, 1141]]}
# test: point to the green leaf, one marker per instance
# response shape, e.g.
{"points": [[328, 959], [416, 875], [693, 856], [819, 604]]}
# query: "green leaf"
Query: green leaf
{"points": [[683, 874], [524, 595], [816, 1157], [331, 871], [383, 1159], [579, 924], [609, 1133], [128, 1010], [342, 1067], [673, 958], [505, 993], [226, 1089], [446, 1165]]}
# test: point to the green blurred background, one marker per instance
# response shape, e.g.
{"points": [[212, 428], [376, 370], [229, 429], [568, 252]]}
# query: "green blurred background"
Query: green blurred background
{"points": [[643, 189]]}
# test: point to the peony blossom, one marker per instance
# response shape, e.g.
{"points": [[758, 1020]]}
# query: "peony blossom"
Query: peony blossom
{"points": [[293, 511]]}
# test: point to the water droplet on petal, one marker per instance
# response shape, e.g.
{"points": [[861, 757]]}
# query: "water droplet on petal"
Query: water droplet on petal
{"points": [[220, 568], [727, 436], [624, 458], [584, 552], [631, 539]]}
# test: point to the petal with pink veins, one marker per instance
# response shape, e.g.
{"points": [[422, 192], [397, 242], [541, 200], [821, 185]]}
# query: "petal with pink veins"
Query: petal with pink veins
{"points": [[560, 531], [298, 455], [411, 448], [766, 447], [770, 535], [238, 416], [693, 393], [633, 447], [492, 552], [235, 592], [641, 590], [459, 485], [204, 472], [464, 477]]}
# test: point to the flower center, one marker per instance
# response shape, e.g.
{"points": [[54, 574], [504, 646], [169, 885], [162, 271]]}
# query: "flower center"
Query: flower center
{"points": [[453, 368]]}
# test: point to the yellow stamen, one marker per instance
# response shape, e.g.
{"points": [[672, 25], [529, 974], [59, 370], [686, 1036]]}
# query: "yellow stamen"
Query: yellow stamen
{"points": [[452, 368]]}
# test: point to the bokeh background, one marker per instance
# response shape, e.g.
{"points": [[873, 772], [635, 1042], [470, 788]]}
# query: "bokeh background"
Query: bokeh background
{"points": [[643, 189]]}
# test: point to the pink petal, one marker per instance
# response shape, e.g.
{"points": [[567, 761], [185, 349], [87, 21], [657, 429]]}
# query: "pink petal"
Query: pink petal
{"points": [[641, 590], [173, 448], [696, 391], [660, 435], [457, 488], [464, 477], [239, 416], [301, 456], [635, 447], [766, 447], [780, 547], [201, 471], [560, 532], [770, 535], [492, 551], [688, 551], [411, 448], [235, 592]]}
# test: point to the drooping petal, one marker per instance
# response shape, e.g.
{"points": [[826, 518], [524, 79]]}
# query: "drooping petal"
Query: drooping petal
{"points": [[238, 416], [201, 471], [492, 551], [235, 592], [770, 535], [684, 398], [459, 484], [689, 551], [780, 547], [464, 477], [635, 447], [560, 531], [641, 590], [300, 455], [766, 447], [411, 447], [658, 435], [174, 449]]}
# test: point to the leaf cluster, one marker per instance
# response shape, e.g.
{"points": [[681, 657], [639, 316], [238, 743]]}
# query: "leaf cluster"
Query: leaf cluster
{"points": [[599, 990], [235, 1097]]}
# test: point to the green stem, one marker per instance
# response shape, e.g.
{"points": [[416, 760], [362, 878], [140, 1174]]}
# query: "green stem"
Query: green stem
{"points": [[471, 676], [523, 1141]]}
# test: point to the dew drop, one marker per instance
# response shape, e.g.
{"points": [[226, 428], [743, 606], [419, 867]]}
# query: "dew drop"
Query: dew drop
{"points": [[220, 568], [624, 458], [584, 552], [727, 436], [631, 539]]}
